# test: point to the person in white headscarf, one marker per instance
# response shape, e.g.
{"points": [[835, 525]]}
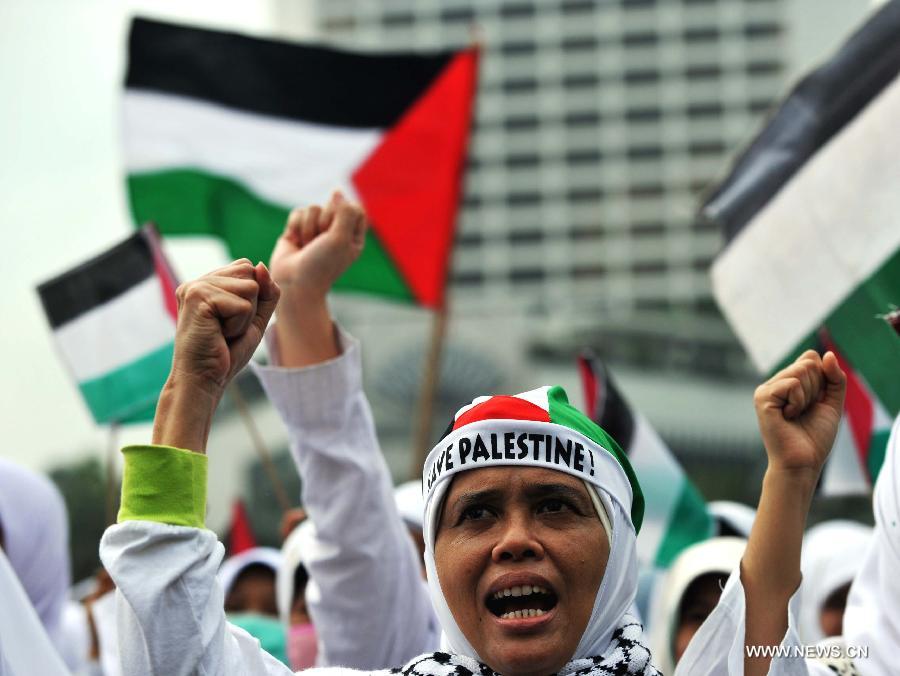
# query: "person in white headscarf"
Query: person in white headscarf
{"points": [[872, 615], [731, 519], [25, 648], [34, 533], [687, 593], [291, 588], [831, 559], [248, 582]]}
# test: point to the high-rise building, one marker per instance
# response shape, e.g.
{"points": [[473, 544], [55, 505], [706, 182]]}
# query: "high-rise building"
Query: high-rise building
{"points": [[598, 124]]}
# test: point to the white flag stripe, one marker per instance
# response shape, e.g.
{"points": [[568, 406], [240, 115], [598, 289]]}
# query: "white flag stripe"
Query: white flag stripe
{"points": [[662, 481], [117, 333], [818, 239], [537, 397], [843, 473], [286, 162]]}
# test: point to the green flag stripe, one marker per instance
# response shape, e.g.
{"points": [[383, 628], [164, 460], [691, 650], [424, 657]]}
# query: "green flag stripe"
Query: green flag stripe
{"points": [[195, 202], [877, 451], [866, 340], [124, 392], [688, 523]]}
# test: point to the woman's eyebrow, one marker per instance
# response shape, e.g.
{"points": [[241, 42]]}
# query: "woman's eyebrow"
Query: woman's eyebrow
{"points": [[558, 490], [477, 497]]}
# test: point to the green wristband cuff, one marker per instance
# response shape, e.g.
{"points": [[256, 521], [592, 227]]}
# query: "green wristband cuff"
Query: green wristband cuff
{"points": [[164, 484]]}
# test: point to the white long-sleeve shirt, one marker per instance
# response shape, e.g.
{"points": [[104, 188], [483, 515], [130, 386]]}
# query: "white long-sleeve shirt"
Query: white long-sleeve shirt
{"points": [[872, 617], [365, 594]]}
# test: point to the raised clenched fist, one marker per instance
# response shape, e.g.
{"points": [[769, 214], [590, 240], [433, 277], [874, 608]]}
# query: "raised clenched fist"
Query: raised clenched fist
{"points": [[799, 409], [221, 320], [318, 244]]}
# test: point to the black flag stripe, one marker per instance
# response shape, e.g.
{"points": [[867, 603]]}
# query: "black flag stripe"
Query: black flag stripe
{"points": [[98, 280], [295, 81]]}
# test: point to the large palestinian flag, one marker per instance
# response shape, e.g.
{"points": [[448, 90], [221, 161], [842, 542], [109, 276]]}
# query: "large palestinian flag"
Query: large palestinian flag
{"points": [[675, 514], [811, 215], [224, 134], [113, 320]]}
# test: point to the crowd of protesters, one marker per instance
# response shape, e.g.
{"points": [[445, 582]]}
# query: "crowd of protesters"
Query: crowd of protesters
{"points": [[504, 561]]}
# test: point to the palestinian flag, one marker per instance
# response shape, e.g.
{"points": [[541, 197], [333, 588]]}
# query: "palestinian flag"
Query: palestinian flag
{"points": [[861, 442], [113, 320], [224, 134], [811, 215], [675, 513]]}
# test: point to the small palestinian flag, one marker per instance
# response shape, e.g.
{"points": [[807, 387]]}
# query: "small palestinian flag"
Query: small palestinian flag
{"points": [[224, 134], [113, 320], [811, 214], [861, 443], [675, 513]]}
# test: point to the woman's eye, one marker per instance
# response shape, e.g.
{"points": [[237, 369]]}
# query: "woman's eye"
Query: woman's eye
{"points": [[475, 514], [552, 506]]}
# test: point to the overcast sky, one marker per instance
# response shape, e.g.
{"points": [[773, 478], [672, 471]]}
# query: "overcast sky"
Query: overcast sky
{"points": [[62, 193]]}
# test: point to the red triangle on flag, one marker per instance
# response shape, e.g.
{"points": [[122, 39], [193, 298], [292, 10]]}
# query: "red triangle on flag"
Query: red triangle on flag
{"points": [[241, 536], [411, 183]]}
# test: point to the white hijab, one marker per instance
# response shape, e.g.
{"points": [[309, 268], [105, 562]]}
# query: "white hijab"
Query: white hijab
{"points": [[832, 555], [233, 566], [36, 541], [25, 649], [716, 555]]}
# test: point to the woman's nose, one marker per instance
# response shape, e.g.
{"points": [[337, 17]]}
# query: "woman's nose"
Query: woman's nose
{"points": [[518, 541]]}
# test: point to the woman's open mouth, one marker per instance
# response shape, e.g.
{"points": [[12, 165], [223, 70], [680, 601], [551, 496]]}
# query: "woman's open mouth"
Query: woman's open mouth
{"points": [[521, 601]]}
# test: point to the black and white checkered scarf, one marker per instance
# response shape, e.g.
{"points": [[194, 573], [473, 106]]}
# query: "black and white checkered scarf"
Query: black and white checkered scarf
{"points": [[626, 656]]}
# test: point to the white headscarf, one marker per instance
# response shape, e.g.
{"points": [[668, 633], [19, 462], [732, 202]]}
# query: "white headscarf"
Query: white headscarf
{"points": [[619, 585], [716, 555], [36, 541], [301, 539], [832, 555], [410, 505], [233, 566], [730, 515], [25, 648]]}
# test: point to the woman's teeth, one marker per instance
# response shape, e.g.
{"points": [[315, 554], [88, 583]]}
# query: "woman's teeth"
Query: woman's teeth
{"points": [[518, 614], [523, 590]]}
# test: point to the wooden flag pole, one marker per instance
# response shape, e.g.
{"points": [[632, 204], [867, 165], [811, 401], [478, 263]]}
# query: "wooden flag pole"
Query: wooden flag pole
{"points": [[112, 448], [430, 379], [260, 445]]}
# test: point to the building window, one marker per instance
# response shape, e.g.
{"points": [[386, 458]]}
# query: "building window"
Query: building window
{"points": [[703, 72], [458, 15], [708, 34], [521, 123], [580, 80], [761, 30], [643, 114], [584, 118], [526, 236], [521, 160], [518, 48], [578, 6], [583, 156], [579, 43], [529, 274], [397, 19], [591, 194], [641, 39], [701, 110], [641, 76], [517, 10], [645, 152], [523, 199], [468, 278], [521, 84]]}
